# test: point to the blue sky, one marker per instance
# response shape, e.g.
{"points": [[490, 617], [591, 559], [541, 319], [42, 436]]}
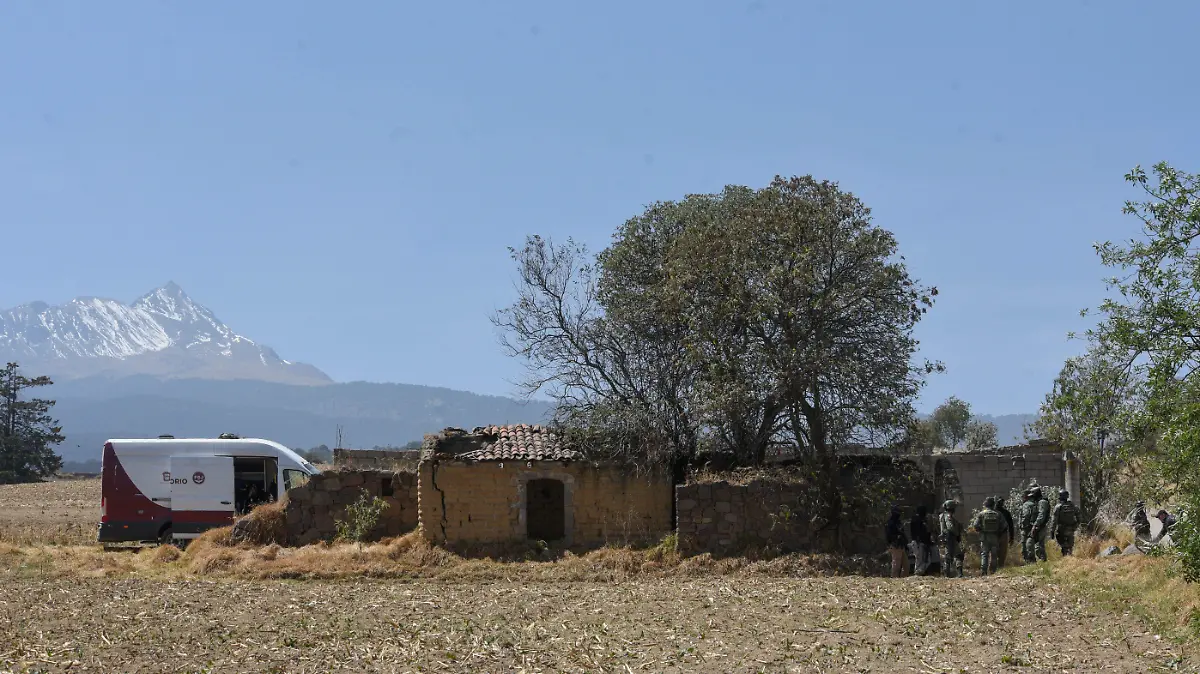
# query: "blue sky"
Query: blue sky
{"points": [[341, 180]]}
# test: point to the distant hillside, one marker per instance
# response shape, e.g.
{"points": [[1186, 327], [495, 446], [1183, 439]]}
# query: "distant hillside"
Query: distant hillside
{"points": [[94, 409]]}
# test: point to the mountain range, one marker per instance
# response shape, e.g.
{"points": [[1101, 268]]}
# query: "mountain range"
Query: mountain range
{"points": [[165, 364], [163, 333]]}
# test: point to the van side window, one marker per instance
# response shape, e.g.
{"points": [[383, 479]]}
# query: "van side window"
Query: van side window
{"points": [[294, 478]]}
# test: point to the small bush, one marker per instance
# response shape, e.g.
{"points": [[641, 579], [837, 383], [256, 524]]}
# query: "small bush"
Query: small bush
{"points": [[361, 519], [1186, 539]]}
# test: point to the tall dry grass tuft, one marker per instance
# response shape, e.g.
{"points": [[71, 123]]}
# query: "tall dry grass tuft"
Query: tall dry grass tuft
{"points": [[212, 551], [1087, 547], [165, 554], [264, 525]]}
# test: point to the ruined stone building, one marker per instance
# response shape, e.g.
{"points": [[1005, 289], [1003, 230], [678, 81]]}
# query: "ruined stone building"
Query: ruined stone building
{"points": [[525, 482], [502, 484]]}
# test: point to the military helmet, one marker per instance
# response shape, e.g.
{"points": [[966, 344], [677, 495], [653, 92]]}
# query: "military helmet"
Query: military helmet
{"points": [[1063, 494], [989, 502], [949, 505]]}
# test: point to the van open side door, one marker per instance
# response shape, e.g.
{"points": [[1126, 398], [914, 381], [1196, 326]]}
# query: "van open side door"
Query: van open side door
{"points": [[201, 494]]}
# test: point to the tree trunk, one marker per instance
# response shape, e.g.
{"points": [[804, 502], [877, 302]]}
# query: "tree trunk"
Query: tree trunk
{"points": [[826, 463]]}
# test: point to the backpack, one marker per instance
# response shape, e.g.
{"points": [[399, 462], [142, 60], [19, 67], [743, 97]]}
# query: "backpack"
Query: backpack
{"points": [[990, 522], [1067, 514]]}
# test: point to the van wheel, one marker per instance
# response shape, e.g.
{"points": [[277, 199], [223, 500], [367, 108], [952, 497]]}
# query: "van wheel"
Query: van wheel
{"points": [[166, 536]]}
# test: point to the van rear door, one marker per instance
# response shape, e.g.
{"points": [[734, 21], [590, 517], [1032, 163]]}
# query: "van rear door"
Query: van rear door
{"points": [[201, 494]]}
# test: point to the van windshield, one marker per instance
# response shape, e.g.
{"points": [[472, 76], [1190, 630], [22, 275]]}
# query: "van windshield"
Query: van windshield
{"points": [[293, 478]]}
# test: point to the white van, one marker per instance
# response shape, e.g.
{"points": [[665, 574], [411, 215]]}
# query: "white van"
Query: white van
{"points": [[170, 489]]}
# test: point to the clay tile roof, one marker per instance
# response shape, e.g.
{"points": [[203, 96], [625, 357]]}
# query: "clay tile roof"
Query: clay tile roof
{"points": [[522, 442]]}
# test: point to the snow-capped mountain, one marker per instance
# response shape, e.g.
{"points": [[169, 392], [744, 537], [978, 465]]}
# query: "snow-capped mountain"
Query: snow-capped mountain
{"points": [[163, 333]]}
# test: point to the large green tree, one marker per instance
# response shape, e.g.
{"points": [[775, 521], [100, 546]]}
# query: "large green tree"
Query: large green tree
{"points": [[799, 314], [1139, 379], [28, 432], [732, 320]]}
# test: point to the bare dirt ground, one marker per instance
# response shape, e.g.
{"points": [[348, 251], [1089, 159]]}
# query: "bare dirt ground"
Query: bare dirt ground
{"points": [[61, 512], [79, 609], [661, 625]]}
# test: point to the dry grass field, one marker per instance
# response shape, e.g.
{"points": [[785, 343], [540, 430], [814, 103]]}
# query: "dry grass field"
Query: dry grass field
{"points": [[402, 606], [66, 512]]}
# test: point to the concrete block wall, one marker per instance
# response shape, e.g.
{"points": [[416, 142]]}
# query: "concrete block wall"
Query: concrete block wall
{"points": [[981, 476], [485, 502], [313, 509]]}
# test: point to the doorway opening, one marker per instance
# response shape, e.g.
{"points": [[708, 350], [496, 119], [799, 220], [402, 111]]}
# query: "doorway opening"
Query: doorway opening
{"points": [[545, 509], [946, 483], [254, 481]]}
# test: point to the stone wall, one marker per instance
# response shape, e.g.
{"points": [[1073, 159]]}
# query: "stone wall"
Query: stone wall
{"points": [[401, 460], [726, 518], [485, 502], [312, 509]]}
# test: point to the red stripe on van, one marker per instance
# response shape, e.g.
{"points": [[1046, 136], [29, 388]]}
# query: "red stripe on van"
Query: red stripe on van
{"points": [[121, 498], [203, 516]]}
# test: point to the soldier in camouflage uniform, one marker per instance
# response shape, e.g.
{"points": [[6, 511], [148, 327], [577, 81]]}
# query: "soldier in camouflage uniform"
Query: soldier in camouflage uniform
{"points": [[951, 539], [1039, 529], [991, 527], [1028, 515], [1005, 541], [1063, 520]]}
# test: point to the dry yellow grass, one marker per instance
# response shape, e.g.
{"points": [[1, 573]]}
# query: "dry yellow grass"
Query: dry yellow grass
{"points": [[264, 525], [410, 556], [1142, 585]]}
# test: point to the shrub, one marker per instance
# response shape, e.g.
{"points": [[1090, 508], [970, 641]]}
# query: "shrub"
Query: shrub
{"points": [[1186, 538], [361, 518]]}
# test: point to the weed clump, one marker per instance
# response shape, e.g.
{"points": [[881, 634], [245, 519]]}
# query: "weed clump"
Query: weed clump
{"points": [[362, 517]]}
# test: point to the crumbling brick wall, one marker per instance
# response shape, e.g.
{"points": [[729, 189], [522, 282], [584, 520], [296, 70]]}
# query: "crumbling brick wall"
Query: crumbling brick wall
{"points": [[485, 502], [724, 517], [313, 509]]}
